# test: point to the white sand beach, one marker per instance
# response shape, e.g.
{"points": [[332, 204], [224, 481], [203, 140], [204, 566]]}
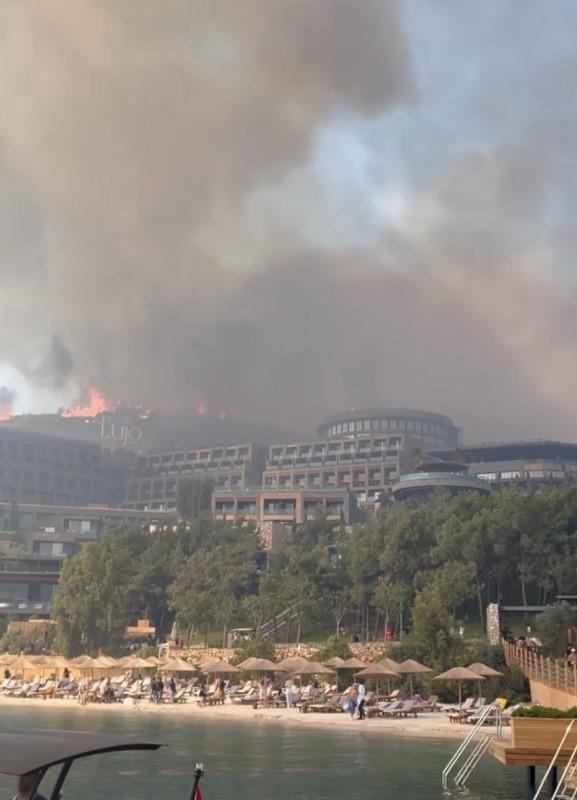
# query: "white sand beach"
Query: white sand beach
{"points": [[434, 725]]}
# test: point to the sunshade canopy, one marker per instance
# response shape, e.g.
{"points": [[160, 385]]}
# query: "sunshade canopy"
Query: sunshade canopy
{"points": [[22, 663], [292, 663], [484, 670], [354, 663], [259, 665], [377, 671], [314, 668], [412, 667], [459, 674], [134, 662], [220, 667], [337, 662], [158, 662], [390, 664], [27, 752], [177, 665]]}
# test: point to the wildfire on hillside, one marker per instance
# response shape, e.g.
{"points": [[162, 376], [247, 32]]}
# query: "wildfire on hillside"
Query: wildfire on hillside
{"points": [[94, 405]]}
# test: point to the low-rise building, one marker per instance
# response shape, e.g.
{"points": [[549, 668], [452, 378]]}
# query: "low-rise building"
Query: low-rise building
{"points": [[285, 506], [50, 535], [525, 462], [429, 478], [154, 482]]}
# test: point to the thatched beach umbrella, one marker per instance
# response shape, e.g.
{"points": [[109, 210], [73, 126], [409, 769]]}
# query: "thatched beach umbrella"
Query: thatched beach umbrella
{"points": [[336, 662], [292, 663], [259, 665], [177, 665], [22, 664], [460, 675], [314, 668], [411, 667], [219, 667], [206, 661], [485, 671], [354, 663], [7, 658], [156, 662], [390, 664], [377, 672], [134, 662]]}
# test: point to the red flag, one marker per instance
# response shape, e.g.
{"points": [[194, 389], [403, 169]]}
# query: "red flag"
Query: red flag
{"points": [[197, 794]]}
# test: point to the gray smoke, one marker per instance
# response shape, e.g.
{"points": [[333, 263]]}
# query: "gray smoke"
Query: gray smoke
{"points": [[7, 397], [158, 222]]}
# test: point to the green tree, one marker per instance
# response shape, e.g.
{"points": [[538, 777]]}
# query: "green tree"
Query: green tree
{"points": [[432, 627], [92, 603], [193, 497], [553, 626]]}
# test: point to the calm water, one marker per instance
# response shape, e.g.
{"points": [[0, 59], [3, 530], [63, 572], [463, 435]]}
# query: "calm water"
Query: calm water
{"points": [[256, 761]]}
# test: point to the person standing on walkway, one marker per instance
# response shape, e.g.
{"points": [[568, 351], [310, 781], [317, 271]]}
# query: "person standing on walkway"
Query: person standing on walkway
{"points": [[361, 695]]}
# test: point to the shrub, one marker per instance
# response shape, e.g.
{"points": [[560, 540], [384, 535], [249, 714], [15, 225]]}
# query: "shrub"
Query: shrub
{"points": [[334, 646], [256, 648], [543, 712]]}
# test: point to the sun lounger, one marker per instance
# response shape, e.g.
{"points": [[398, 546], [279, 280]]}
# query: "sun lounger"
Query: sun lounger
{"points": [[405, 708]]}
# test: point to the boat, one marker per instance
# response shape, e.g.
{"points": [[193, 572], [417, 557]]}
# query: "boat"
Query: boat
{"points": [[36, 752]]}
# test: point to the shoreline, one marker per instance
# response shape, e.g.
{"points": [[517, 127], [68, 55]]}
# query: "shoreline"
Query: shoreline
{"points": [[433, 725]]}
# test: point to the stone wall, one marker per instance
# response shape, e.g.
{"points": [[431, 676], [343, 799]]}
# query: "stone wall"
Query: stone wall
{"points": [[370, 651]]}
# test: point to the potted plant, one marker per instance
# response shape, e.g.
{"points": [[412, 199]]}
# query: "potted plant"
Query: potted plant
{"points": [[542, 727]]}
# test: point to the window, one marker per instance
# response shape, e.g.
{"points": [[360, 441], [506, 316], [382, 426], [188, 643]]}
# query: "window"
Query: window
{"points": [[367, 424], [339, 429], [401, 424], [394, 424], [359, 426], [535, 473], [487, 476], [511, 475]]}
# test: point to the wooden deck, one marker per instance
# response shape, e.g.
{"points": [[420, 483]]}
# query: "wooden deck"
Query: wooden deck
{"points": [[504, 752]]}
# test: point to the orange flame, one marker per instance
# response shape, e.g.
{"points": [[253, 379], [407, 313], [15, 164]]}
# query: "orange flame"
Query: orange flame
{"points": [[5, 415], [96, 405]]}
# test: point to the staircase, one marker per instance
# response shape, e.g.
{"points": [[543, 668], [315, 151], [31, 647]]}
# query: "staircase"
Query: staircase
{"points": [[268, 629], [472, 749], [566, 789]]}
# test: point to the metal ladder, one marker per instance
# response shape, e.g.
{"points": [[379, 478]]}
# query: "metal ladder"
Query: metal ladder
{"points": [[472, 748], [566, 789]]}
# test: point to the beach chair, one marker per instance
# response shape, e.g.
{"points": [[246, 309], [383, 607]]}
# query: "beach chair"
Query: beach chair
{"points": [[430, 704], [406, 707], [47, 690], [388, 709]]}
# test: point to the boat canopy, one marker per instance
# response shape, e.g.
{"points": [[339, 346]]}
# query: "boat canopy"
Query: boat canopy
{"points": [[37, 750]]}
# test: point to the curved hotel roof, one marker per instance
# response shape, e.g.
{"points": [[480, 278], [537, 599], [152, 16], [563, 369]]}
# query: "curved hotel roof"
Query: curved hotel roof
{"points": [[430, 428]]}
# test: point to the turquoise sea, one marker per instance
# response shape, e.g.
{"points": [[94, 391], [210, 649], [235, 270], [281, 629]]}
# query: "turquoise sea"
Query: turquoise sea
{"points": [[256, 760]]}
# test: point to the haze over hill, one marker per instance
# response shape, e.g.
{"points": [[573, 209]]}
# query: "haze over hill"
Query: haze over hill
{"points": [[281, 207]]}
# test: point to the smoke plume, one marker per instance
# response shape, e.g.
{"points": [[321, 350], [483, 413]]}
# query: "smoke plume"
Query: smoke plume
{"points": [[158, 199]]}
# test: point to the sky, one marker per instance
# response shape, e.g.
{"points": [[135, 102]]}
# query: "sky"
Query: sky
{"points": [[283, 208]]}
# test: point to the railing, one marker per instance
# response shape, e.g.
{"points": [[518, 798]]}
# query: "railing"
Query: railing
{"points": [[472, 748], [554, 673], [568, 772]]}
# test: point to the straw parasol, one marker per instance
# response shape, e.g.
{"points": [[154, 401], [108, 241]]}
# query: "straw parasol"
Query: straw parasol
{"points": [[219, 667], [134, 662], [411, 667], [390, 664], [258, 665], [484, 670], [354, 663], [337, 662], [292, 663], [377, 671], [21, 663], [459, 674], [205, 661], [176, 665], [314, 668], [7, 658], [157, 662]]}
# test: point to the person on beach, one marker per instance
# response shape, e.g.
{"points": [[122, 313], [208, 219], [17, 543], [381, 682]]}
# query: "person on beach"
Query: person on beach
{"points": [[172, 689], [26, 784], [361, 697], [288, 690], [352, 695]]}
